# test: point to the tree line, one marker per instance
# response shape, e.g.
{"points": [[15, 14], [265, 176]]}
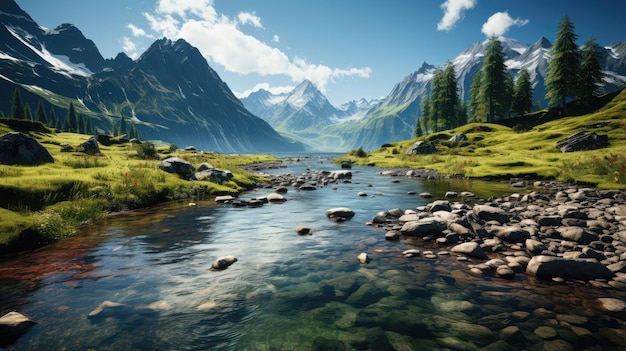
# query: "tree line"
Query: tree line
{"points": [[573, 72], [72, 122]]}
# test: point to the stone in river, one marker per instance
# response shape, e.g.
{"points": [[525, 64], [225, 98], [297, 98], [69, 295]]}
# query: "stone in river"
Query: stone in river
{"points": [[302, 230], [363, 257], [14, 324], [470, 249], [223, 263]]}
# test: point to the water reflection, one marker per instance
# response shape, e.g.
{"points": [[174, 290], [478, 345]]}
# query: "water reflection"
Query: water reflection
{"points": [[287, 292]]}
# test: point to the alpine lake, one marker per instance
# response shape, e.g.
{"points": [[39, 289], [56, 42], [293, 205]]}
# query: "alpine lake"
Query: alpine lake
{"points": [[143, 281]]}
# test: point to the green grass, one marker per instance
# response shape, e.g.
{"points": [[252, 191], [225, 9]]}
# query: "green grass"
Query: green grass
{"points": [[52, 199], [495, 150]]}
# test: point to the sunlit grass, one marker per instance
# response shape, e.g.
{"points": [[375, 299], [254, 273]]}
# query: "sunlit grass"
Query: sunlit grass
{"points": [[498, 151], [53, 198]]}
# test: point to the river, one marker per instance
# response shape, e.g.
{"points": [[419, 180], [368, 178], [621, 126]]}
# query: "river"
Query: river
{"points": [[288, 292]]}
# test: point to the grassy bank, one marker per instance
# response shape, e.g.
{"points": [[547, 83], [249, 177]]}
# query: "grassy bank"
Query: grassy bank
{"points": [[494, 150], [40, 204]]}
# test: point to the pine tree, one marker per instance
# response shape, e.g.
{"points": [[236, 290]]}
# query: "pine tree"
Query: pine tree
{"points": [[418, 128], [70, 124], [81, 124], [563, 68], [88, 127], [523, 94], [436, 88], [477, 108], [27, 114], [52, 118], [507, 101], [450, 97], [426, 110], [590, 76], [123, 128], [58, 125], [461, 118], [17, 108], [40, 113], [493, 74]]}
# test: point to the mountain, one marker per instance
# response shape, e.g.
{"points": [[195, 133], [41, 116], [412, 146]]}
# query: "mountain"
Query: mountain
{"points": [[304, 112], [170, 92], [395, 118]]}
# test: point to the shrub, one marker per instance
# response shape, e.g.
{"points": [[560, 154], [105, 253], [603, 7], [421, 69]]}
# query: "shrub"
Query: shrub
{"points": [[146, 150]]}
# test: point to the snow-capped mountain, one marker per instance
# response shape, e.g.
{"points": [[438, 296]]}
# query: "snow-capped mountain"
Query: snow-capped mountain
{"points": [[305, 107], [401, 108], [170, 92]]}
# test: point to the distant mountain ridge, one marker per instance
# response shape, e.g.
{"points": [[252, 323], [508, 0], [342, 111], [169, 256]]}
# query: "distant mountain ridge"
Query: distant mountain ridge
{"points": [[170, 92]]}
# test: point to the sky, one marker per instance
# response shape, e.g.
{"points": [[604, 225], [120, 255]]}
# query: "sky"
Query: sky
{"points": [[350, 49]]}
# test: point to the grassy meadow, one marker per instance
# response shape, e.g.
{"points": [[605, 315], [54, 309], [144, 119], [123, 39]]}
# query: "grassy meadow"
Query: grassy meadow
{"points": [[496, 151], [46, 202]]}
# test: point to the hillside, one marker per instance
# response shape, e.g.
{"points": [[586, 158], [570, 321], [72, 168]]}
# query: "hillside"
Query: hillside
{"points": [[42, 203], [528, 148]]}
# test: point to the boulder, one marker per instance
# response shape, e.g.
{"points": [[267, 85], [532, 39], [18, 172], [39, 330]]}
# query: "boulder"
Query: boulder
{"points": [[204, 166], [302, 230], [223, 263], [491, 213], [14, 324], [424, 227], [21, 149], [89, 147], [577, 234], [582, 141], [275, 198], [512, 234], [177, 165], [548, 267], [470, 249], [340, 214], [363, 257], [458, 138], [421, 148]]}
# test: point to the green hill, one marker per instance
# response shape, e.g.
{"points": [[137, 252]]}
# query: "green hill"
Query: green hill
{"points": [[524, 146]]}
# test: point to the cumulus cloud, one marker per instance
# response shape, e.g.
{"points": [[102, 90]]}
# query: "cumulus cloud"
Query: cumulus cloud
{"points": [[499, 23], [129, 47], [221, 41], [276, 38], [252, 18], [265, 86], [138, 32], [453, 12]]}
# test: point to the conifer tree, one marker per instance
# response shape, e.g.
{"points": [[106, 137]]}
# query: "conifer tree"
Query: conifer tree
{"points": [[418, 128], [52, 120], [436, 88], [493, 74], [70, 124], [27, 114], [450, 97], [40, 113], [81, 124], [507, 101], [425, 113], [523, 94], [590, 76], [17, 108], [123, 128], [563, 68], [89, 127], [477, 108]]}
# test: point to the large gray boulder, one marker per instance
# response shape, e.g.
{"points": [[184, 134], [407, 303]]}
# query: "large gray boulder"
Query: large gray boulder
{"points": [[13, 325], [582, 141], [512, 234], [21, 149], [577, 234], [89, 147], [491, 213], [470, 249], [430, 226], [178, 166], [421, 148], [340, 214], [548, 267]]}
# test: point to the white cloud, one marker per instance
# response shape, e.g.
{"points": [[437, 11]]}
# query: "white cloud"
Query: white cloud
{"points": [[453, 11], [222, 42], [500, 22], [276, 38], [247, 17], [265, 86], [138, 32], [129, 48]]}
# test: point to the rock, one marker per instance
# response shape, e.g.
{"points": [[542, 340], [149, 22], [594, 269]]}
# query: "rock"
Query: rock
{"points": [[66, 148], [105, 308], [577, 234], [470, 249], [224, 198], [512, 234], [451, 194], [307, 187], [361, 193], [582, 141], [177, 165], [275, 198], [223, 263], [505, 272], [440, 205], [392, 235], [215, 175], [346, 164], [534, 247], [89, 147], [424, 227], [411, 252], [458, 138], [545, 332], [363, 257], [548, 267], [512, 334], [340, 214], [421, 148], [21, 149], [426, 195], [612, 304], [302, 230], [617, 267], [14, 324], [490, 213]]}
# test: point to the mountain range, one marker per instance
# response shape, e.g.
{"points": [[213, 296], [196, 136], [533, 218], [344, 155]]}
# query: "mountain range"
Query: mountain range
{"points": [[170, 92], [394, 117]]}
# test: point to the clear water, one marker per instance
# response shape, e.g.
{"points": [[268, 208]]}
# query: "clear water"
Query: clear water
{"points": [[287, 292]]}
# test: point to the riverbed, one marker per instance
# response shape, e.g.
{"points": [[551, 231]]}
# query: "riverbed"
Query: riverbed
{"points": [[143, 281]]}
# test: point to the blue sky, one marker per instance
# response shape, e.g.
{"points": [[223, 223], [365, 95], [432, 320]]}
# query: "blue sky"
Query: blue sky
{"points": [[350, 49]]}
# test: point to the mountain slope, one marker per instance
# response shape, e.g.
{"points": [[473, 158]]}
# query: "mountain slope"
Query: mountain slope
{"points": [[170, 92]]}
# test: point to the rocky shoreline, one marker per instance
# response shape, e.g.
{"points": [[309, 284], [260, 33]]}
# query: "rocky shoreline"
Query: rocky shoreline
{"points": [[560, 232]]}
